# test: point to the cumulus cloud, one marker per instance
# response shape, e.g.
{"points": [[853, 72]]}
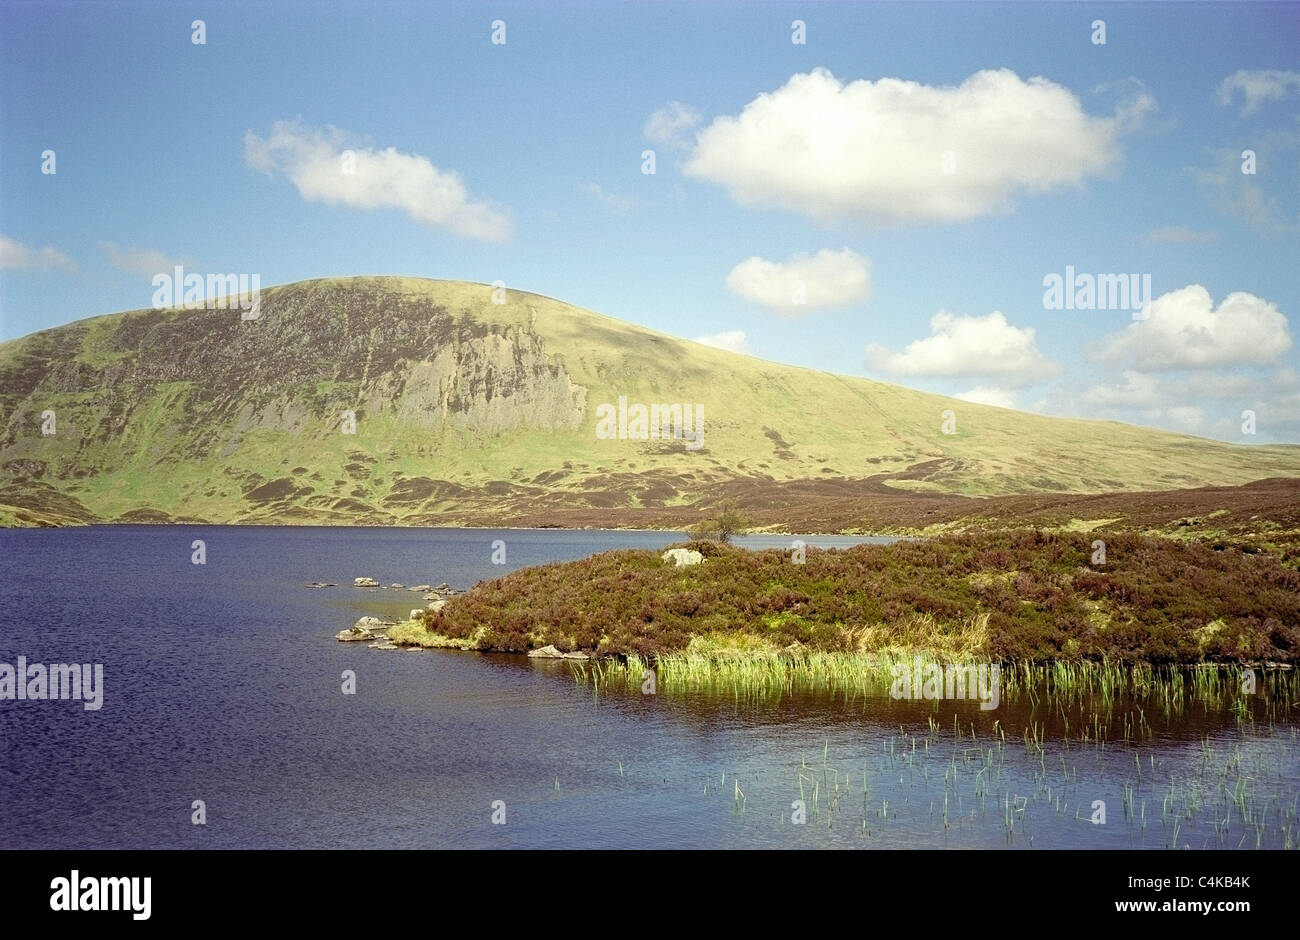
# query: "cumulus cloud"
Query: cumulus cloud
{"points": [[1177, 235], [803, 282], [670, 126], [323, 169], [1257, 86], [875, 151], [968, 346], [730, 340], [1209, 402], [989, 395], [1184, 330], [1145, 399], [15, 256], [144, 261]]}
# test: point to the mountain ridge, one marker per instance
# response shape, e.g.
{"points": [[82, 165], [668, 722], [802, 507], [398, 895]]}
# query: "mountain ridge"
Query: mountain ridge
{"points": [[469, 411]]}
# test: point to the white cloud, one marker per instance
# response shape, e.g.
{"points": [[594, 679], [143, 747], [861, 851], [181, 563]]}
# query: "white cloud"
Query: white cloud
{"points": [[1209, 402], [1256, 87], [15, 256], [730, 340], [1183, 330], [314, 161], [989, 395], [1187, 417], [1239, 195], [1146, 400], [1135, 107], [873, 150], [670, 126], [144, 261], [1177, 235], [1137, 390], [803, 282], [615, 201], [968, 346]]}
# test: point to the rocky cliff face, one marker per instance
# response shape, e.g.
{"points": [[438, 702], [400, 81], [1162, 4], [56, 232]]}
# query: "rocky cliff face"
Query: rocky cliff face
{"points": [[177, 394], [311, 356], [491, 384]]}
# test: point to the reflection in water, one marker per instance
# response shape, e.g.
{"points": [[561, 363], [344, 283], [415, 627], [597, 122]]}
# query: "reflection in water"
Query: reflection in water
{"points": [[1212, 746]]}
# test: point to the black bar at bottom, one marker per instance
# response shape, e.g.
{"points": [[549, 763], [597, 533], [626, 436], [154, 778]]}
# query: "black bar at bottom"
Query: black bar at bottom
{"points": [[376, 888]]}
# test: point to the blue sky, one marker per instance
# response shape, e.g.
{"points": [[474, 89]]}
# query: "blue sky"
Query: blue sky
{"points": [[814, 160]]}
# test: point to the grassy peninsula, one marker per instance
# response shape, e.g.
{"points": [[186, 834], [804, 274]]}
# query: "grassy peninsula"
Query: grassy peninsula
{"points": [[1024, 596]]}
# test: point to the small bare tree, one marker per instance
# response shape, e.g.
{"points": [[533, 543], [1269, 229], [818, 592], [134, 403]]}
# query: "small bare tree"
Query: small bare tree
{"points": [[721, 527]]}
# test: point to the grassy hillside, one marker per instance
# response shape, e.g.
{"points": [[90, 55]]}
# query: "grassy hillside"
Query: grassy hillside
{"points": [[470, 411]]}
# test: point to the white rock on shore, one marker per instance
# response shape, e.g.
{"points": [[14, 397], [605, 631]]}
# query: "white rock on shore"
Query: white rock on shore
{"points": [[367, 628], [683, 556]]}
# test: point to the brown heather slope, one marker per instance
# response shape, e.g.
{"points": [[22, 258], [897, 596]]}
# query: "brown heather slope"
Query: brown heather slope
{"points": [[1020, 595], [1260, 516]]}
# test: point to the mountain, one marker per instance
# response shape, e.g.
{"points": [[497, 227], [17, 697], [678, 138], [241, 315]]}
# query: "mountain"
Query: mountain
{"points": [[470, 411]]}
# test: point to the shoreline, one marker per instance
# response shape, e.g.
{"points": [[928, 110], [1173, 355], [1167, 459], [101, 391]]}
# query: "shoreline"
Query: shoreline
{"points": [[1023, 596], [910, 533], [1264, 513], [795, 656]]}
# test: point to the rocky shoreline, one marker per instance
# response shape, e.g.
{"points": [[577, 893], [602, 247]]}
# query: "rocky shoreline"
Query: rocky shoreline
{"points": [[373, 630], [376, 632]]}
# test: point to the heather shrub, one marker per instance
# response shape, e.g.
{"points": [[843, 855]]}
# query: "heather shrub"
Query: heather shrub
{"points": [[1040, 597]]}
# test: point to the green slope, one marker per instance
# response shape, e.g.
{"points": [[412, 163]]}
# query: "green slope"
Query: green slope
{"points": [[468, 410]]}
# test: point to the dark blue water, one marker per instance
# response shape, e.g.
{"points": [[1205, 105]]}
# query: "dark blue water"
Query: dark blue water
{"points": [[222, 683]]}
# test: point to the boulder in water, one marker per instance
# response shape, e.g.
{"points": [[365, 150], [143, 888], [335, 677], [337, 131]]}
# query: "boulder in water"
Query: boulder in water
{"points": [[550, 652]]}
